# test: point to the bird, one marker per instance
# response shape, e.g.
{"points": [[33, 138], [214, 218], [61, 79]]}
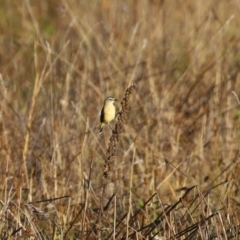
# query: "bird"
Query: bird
{"points": [[108, 113]]}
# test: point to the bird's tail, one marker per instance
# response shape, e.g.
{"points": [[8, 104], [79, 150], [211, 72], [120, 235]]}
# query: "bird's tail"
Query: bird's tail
{"points": [[101, 128]]}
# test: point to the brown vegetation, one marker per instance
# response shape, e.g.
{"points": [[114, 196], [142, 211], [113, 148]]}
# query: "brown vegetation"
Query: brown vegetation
{"points": [[169, 168]]}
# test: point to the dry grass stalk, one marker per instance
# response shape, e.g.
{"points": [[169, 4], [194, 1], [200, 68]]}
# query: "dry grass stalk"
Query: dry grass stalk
{"points": [[116, 133], [236, 96]]}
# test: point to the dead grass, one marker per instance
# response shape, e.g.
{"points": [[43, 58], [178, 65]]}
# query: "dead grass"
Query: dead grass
{"points": [[170, 168]]}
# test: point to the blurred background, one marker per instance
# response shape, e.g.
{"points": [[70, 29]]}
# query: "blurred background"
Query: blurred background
{"points": [[60, 59]]}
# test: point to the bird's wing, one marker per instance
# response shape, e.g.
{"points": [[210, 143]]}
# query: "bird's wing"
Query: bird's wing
{"points": [[102, 116]]}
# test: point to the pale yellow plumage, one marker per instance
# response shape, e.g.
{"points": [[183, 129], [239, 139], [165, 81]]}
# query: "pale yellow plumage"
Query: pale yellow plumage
{"points": [[108, 112]]}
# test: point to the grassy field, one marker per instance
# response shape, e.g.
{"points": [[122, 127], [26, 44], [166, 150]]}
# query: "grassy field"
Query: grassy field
{"points": [[169, 168]]}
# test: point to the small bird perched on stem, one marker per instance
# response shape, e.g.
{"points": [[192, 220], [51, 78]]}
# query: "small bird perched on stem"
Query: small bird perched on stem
{"points": [[108, 113]]}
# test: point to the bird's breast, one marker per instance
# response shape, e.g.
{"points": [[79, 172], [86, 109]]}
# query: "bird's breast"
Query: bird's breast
{"points": [[109, 113]]}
